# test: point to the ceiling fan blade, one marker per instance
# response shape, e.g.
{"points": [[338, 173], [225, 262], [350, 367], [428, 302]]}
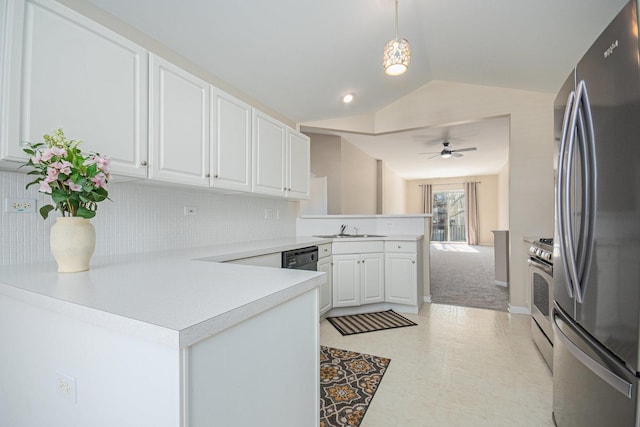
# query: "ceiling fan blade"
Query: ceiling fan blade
{"points": [[465, 149], [431, 152], [456, 154], [433, 157]]}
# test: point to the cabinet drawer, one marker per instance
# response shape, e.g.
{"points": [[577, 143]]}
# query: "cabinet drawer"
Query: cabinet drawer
{"points": [[400, 246], [358, 247], [324, 250]]}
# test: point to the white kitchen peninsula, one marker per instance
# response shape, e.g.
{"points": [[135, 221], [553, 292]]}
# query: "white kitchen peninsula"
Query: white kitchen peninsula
{"points": [[160, 339]]}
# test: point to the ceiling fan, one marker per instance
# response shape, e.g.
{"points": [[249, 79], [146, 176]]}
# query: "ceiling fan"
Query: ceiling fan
{"points": [[448, 152]]}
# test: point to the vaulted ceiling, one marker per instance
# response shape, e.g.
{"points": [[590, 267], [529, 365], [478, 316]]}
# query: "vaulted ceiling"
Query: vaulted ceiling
{"points": [[299, 57]]}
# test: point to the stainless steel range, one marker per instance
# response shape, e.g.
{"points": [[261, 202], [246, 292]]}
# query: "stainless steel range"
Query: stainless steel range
{"points": [[541, 283]]}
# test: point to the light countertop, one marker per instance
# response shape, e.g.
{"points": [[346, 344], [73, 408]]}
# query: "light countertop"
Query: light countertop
{"points": [[169, 297], [175, 298]]}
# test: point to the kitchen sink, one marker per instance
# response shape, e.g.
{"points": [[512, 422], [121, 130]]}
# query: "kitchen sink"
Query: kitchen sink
{"points": [[344, 236]]}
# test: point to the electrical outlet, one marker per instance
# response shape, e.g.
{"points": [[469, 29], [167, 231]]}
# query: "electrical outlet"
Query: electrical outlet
{"points": [[66, 386], [16, 205], [190, 210]]}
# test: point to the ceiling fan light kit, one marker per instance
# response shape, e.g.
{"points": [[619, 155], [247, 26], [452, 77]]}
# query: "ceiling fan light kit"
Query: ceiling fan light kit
{"points": [[397, 54], [448, 152]]}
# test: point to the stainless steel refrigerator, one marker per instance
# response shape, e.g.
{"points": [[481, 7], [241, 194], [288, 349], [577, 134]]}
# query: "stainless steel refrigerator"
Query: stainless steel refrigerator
{"points": [[596, 277]]}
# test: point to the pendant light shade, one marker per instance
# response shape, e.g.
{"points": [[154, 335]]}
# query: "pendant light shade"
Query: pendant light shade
{"points": [[397, 54]]}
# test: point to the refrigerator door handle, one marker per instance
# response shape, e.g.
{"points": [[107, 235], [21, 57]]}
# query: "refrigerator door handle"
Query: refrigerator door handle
{"points": [[564, 197], [589, 211], [563, 188], [619, 384]]}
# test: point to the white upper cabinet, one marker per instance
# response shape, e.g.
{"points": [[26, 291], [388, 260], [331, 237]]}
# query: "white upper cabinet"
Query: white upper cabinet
{"points": [[178, 125], [231, 142], [68, 71], [269, 149], [298, 165], [4, 66], [281, 159]]}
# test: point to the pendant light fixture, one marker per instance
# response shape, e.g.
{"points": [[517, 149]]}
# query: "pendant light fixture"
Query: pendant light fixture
{"points": [[396, 54]]}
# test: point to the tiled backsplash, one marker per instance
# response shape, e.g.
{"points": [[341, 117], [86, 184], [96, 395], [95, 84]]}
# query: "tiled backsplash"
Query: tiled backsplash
{"points": [[143, 217]]}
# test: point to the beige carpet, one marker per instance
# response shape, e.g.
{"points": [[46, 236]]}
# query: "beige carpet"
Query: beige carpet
{"points": [[464, 275]]}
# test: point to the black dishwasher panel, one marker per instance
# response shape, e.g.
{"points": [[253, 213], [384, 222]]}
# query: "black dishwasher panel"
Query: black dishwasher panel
{"points": [[301, 259]]}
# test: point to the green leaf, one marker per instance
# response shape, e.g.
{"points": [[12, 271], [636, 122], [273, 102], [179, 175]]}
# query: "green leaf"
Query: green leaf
{"points": [[92, 170], [59, 196], [44, 211], [99, 194], [85, 213], [32, 183]]}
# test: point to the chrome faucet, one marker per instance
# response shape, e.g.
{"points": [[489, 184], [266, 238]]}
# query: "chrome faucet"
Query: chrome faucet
{"points": [[342, 228]]}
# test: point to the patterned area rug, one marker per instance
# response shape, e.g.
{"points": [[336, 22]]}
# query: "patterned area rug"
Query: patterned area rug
{"points": [[369, 322], [348, 381]]}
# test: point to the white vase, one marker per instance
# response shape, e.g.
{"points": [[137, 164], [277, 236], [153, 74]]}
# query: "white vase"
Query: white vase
{"points": [[72, 240]]}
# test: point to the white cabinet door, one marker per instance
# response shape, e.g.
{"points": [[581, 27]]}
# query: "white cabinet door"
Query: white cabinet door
{"points": [[358, 279], [326, 298], [298, 165], [231, 142], [372, 278], [401, 278], [70, 72], [346, 280], [179, 125], [4, 76], [269, 151]]}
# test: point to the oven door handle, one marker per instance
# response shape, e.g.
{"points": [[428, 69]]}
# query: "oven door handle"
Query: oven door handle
{"points": [[544, 267]]}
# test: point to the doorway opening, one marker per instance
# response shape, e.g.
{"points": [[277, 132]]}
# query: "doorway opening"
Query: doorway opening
{"points": [[448, 217]]}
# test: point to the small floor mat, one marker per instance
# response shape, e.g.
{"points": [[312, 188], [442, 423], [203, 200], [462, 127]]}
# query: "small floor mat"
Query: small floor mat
{"points": [[369, 322], [348, 382]]}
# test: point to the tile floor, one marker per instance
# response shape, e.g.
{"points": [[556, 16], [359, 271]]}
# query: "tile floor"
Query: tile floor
{"points": [[460, 366]]}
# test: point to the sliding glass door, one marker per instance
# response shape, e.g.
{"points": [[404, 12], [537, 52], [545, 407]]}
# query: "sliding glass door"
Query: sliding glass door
{"points": [[448, 217]]}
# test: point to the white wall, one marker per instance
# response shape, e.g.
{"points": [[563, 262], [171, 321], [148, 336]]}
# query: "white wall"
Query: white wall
{"points": [[487, 200], [394, 192], [530, 152], [326, 160], [359, 179], [503, 198], [351, 175], [142, 218]]}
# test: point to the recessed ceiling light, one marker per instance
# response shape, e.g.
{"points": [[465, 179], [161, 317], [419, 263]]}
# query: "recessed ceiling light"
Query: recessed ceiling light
{"points": [[347, 98]]}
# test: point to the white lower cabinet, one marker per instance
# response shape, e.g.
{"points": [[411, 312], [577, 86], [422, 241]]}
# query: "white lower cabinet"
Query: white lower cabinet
{"points": [[400, 280], [325, 264], [403, 272], [326, 290], [358, 279]]}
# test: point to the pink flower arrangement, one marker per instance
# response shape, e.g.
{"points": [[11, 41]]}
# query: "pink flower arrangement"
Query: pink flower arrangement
{"points": [[75, 181]]}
